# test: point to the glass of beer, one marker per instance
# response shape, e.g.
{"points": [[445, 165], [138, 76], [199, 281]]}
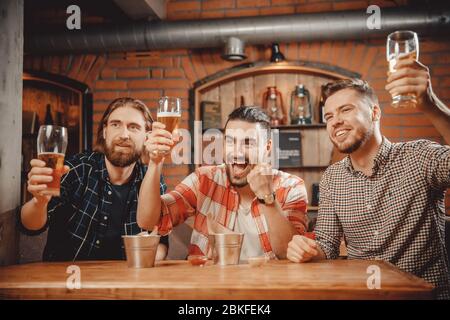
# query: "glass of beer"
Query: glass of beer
{"points": [[400, 44], [51, 148], [169, 112]]}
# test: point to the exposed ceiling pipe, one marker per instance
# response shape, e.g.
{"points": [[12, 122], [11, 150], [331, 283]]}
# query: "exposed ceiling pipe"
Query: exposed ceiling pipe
{"points": [[337, 25]]}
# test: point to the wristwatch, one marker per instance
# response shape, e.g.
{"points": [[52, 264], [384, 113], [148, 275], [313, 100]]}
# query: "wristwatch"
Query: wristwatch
{"points": [[268, 199]]}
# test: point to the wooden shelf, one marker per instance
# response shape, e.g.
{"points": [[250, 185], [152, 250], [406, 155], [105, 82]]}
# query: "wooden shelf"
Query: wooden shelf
{"points": [[287, 127], [301, 126], [304, 167]]}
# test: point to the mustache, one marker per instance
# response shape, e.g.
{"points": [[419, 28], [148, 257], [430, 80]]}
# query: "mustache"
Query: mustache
{"points": [[123, 143]]}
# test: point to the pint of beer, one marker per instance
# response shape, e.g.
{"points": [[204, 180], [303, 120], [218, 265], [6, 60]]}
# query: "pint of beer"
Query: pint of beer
{"points": [[51, 147], [402, 44], [169, 119], [169, 112]]}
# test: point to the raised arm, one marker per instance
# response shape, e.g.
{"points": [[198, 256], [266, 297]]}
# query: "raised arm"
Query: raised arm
{"points": [[414, 77], [158, 145], [284, 219]]}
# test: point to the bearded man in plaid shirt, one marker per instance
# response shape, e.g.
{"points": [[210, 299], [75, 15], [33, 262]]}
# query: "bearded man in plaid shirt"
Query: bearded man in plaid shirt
{"points": [[386, 199], [99, 191], [244, 194]]}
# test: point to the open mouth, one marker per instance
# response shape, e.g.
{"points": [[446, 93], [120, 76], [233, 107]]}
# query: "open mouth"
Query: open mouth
{"points": [[341, 134], [240, 169]]}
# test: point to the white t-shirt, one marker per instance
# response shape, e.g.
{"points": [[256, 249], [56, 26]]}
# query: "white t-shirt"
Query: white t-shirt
{"points": [[251, 246]]}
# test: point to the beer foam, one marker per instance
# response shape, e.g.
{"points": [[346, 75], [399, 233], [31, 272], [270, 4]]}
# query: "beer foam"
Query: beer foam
{"points": [[168, 114], [57, 153]]}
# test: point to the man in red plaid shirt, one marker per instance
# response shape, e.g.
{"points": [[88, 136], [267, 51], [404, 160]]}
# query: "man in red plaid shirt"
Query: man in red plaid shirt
{"points": [[244, 194]]}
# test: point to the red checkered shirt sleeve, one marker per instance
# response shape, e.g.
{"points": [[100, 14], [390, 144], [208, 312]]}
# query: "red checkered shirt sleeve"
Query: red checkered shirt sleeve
{"points": [[293, 200], [328, 228], [179, 204]]}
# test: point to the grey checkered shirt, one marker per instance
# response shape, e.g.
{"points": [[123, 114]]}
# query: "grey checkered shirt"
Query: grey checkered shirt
{"points": [[396, 214]]}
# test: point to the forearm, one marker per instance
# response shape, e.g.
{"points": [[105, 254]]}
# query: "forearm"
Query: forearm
{"points": [[281, 230], [149, 203], [439, 115], [34, 214]]}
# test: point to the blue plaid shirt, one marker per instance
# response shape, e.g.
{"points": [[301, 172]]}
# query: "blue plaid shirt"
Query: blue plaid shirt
{"points": [[77, 220]]}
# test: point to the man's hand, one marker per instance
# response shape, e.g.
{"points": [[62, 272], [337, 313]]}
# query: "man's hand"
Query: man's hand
{"points": [[260, 180], [302, 249], [411, 77], [159, 142], [38, 177]]}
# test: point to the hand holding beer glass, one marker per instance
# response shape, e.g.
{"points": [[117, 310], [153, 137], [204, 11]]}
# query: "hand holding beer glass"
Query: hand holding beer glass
{"points": [[163, 135], [402, 45], [44, 177]]}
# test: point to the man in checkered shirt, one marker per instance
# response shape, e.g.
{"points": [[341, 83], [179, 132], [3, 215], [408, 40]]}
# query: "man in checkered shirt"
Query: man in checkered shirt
{"points": [[99, 191], [243, 195], [386, 199]]}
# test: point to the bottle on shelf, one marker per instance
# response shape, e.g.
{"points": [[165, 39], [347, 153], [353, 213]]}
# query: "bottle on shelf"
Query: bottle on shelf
{"points": [[48, 120], [322, 105]]}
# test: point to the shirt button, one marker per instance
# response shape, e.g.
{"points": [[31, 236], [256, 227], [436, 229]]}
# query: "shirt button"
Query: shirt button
{"points": [[97, 242], [369, 206], [109, 192], [375, 233], [105, 218]]}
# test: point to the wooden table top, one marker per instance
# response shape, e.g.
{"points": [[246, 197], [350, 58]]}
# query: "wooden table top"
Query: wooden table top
{"points": [[338, 279]]}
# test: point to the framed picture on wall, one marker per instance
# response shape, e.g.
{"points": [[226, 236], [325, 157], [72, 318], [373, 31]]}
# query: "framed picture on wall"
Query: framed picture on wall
{"points": [[290, 146]]}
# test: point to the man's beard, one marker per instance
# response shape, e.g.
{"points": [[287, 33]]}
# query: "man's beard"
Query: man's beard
{"points": [[360, 139], [119, 158]]}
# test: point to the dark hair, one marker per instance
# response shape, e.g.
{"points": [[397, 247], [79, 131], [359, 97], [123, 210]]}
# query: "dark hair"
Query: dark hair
{"points": [[359, 85], [250, 114], [119, 103]]}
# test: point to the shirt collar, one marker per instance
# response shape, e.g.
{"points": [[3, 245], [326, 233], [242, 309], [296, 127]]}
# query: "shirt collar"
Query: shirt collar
{"points": [[380, 159], [383, 154]]}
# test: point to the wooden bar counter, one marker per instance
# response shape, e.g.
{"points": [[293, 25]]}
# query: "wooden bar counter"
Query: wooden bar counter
{"points": [[339, 279]]}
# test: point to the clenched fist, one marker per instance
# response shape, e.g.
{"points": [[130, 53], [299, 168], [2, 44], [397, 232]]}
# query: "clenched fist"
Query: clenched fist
{"points": [[159, 142], [260, 180], [303, 249]]}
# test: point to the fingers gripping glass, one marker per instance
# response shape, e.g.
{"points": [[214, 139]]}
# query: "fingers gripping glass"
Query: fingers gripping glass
{"points": [[169, 114], [402, 44], [51, 148]]}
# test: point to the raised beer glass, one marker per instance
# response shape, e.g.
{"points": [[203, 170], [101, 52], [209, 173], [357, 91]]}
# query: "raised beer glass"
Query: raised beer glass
{"points": [[400, 44], [169, 112], [51, 148]]}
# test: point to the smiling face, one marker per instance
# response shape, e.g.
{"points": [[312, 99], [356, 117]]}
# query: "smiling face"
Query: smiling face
{"points": [[351, 119], [246, 144], [124, 136]]}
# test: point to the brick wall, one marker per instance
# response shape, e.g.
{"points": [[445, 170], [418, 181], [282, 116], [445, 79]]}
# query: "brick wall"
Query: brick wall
{"points": [[172, 72]]}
